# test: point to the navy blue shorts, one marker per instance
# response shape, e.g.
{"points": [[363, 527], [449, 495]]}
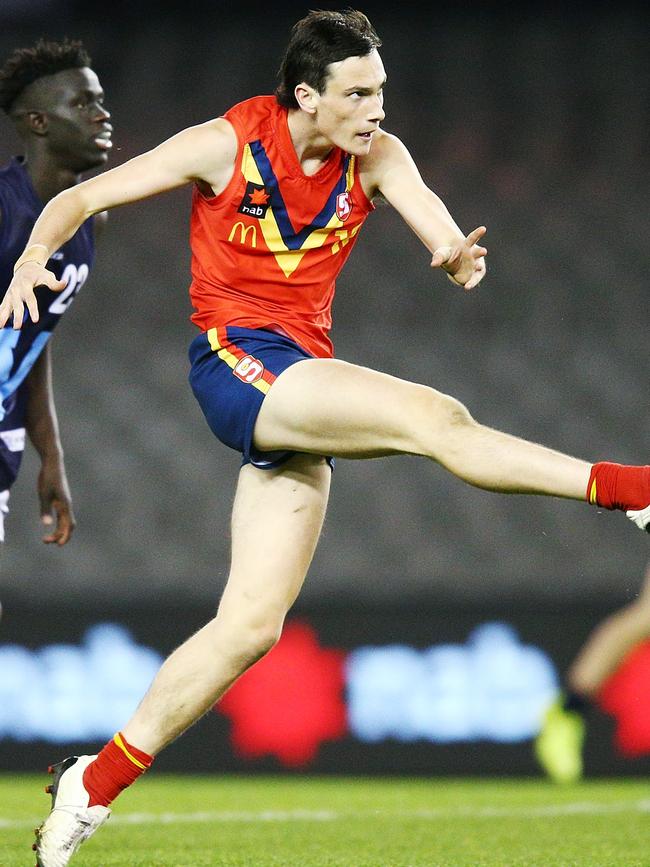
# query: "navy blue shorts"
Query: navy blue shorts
{"points": [[231, 374]]}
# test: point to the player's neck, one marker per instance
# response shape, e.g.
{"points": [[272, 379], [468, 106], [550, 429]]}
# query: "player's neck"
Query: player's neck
{"points": [[48, 178], [311, 146]]}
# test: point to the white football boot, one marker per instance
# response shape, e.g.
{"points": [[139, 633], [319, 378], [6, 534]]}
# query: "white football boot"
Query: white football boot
{"points": [[71, 820], [641, 518]]}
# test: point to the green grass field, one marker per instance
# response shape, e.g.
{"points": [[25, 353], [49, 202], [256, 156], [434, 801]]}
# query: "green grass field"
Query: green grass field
{"points": [[170, 821]]}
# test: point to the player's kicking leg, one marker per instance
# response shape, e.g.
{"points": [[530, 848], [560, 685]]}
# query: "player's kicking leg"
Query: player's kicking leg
{"points": [[276, 522], [331, 407]]}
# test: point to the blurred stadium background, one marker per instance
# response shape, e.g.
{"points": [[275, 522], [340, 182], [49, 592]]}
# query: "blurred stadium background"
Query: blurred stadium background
{"points": [[532, 120]]}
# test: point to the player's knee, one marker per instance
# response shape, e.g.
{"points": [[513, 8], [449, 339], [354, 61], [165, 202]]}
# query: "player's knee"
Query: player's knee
{"points": [[456, 414], [264, 638], [638, 615], [253, 640], [440, 417]]}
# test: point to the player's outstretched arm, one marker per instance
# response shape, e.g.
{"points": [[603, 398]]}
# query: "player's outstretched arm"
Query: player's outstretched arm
{"points": [[206, 152], [389, 168]]}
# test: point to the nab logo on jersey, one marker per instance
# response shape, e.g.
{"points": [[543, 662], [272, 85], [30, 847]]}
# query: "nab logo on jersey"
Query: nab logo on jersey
{"points": [[249, 369], [255, 202], [343, 206]]}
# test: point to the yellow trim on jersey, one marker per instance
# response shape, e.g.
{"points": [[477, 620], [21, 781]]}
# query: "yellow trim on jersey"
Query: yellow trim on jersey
{"points": [[120, 743], [592, 494], [287, 259], [349, 176], [232, 361]]}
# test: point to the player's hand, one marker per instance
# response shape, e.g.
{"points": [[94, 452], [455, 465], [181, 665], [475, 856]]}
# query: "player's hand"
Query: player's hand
{"points": [[465, 263], [20, 293], [56, 503]]}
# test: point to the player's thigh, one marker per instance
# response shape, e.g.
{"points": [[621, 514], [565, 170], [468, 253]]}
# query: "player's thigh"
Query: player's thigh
{"points": [[333, 407], [276, 521]]}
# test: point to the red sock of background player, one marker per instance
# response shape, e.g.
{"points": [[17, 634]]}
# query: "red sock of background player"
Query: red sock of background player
{"points": [[117, 766], [617, 486]]}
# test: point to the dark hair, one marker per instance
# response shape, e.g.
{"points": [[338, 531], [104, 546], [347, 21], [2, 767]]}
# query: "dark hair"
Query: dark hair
{"points": [[27, 65], [318, 39]]}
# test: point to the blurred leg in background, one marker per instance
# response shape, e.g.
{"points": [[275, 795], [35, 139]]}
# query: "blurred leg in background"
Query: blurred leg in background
{"points": [[560, 743]]}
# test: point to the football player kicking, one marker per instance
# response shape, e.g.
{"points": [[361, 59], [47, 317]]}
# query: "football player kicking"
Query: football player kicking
{"points": [[281, 186]]}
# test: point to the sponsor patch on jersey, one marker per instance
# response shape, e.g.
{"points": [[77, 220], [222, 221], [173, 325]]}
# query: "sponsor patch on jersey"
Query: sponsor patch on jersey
{"points": [[255, 202], [343, 206], [248, 369]]}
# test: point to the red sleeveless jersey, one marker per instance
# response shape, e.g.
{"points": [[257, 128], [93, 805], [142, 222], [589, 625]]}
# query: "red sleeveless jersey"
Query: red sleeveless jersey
{"points": [[267, 250]]}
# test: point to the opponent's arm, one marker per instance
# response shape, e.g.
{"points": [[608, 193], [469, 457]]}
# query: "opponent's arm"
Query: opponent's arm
{"points": [[43, 429], [206, 152], [390, 170]]}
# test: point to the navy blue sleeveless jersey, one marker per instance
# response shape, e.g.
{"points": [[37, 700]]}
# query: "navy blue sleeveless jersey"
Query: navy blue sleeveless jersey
{"points": [[19, 209]]}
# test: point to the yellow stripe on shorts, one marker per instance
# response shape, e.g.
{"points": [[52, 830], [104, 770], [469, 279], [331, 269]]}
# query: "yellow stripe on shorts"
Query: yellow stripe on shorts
{"points": [[232, 361]]}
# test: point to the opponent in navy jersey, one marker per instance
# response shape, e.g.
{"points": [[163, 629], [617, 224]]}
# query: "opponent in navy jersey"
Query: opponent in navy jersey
{"points": [[55, 101], [19, 350]]}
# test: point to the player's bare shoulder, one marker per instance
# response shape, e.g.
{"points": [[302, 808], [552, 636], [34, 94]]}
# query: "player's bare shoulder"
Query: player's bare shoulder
{"points": [[386, 152], [214, 145]]}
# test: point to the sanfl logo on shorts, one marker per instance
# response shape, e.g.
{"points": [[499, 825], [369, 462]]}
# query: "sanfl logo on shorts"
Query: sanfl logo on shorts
{"points": [[249, 369]]}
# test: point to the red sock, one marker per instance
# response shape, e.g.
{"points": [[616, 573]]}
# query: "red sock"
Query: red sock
{"points": [[617, 486], [117, 766]]}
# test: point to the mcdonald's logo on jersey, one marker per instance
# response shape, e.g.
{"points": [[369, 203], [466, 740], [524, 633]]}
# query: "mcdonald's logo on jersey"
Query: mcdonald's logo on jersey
{"points": [[243, 233], [255, 202]]}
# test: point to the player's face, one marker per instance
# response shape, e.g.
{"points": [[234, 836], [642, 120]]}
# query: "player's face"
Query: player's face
{"points": [[78, 131], [350, 108]]}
